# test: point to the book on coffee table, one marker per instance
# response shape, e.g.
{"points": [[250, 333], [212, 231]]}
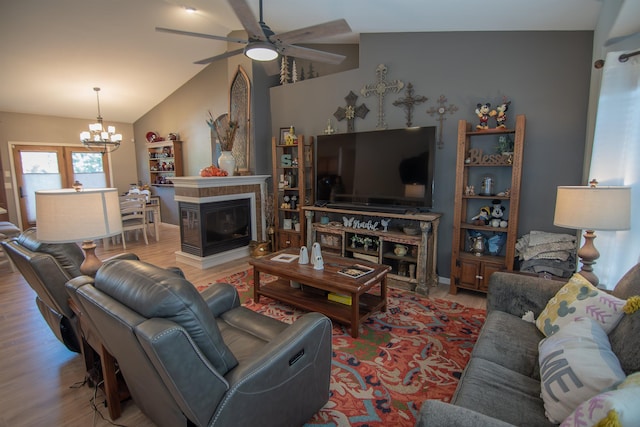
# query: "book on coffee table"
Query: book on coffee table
{"points": [[356, 270], [342, 299]]}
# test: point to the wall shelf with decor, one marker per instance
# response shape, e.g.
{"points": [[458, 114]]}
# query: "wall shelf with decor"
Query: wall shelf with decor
{"points": [[412, 257], [165, 162], [484, 177], [292, 188]]}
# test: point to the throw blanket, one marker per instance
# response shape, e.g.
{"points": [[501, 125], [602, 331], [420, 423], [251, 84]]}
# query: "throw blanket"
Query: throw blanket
{"points": [[543, 252]]}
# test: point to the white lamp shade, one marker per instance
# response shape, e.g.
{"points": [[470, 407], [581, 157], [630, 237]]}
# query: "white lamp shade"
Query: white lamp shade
{"points": [[66, 215], [593, 208]]}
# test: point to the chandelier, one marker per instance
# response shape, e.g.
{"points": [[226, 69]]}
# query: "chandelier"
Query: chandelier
{"points": [[98, 137]]}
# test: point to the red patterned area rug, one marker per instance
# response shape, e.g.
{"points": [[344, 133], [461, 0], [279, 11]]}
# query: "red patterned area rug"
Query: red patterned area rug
{"points": [[413, 352]]}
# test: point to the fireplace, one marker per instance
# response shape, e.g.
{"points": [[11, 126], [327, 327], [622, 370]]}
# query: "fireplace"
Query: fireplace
{"points": [[210, 228], [219, 216]]}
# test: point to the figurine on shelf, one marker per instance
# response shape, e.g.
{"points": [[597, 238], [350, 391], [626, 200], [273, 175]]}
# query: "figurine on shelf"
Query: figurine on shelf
{"points": [[497, 214], [483, 111], [469, 190], [286, 203], [290, 138], [483, 216], [505, 193], [501, 117]]}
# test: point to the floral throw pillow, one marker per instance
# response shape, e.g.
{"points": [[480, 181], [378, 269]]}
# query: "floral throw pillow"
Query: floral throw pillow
{"points": [[614, 408], [579, 298]]}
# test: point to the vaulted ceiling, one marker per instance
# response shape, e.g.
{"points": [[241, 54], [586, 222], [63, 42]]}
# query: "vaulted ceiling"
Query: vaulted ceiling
{"points": [[54, 52]]}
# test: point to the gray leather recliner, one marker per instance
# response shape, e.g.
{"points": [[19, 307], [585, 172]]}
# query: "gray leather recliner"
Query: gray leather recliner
{"points": [[47, 267], [202, 359]]}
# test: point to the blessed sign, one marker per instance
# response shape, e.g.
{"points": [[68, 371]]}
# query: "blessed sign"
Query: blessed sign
{"points": [[476, 157]]}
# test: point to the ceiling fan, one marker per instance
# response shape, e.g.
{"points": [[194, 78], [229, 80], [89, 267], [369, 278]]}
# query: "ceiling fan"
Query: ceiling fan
{"points": [[264, 45]]}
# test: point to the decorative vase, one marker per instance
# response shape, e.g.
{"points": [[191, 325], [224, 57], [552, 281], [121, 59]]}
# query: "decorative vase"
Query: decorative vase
{"points": [[227, 162], [400, 250]]}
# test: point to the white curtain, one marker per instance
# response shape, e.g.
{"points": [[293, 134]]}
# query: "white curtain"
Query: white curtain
{"points": [[616, 161]]}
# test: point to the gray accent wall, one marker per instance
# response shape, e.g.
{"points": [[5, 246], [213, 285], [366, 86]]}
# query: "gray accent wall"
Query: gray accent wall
{"points": [[545, 75]]}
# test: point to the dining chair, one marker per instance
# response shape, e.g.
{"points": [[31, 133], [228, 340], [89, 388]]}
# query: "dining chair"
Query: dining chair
{"points": [[134, 216]]}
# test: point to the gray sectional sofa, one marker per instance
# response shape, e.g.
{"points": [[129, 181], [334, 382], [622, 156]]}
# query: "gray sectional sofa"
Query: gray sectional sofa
{"points": [[501, 384]]}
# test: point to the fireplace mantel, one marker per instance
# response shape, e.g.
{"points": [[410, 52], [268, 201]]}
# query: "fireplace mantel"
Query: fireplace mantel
{"points": [[201, 190], [217, 181]]}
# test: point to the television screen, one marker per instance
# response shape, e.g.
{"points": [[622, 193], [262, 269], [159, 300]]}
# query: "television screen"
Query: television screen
{"points": [[377, 168]]}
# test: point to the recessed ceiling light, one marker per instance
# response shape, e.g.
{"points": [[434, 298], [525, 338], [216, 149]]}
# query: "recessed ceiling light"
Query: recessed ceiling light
{"points": [[190, 9]]}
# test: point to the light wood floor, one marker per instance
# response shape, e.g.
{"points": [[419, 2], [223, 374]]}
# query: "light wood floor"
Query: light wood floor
{"points": [[40, 379]]}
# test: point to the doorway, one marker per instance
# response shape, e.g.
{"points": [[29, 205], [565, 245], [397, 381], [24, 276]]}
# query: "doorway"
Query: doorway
{"points": [[40, 167]]}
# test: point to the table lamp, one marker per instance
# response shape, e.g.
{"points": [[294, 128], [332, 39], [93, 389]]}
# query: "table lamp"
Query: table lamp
{"points": [[67, 215], [592, 208]]}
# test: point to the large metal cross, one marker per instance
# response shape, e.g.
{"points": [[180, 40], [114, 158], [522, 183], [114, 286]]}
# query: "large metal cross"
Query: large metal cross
{"points": [[350, 112], [408, 102], [379, 89], [441, 111]]}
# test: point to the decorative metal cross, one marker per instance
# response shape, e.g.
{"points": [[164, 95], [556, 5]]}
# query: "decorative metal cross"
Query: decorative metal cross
{"points": [[350, 112], [441, 111], [380, 88], [408, 102]]}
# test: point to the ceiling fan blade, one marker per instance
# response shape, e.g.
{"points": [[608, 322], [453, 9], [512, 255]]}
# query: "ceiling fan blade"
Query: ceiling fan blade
{"points": [[248, 21], [218, 57], [311, 54], [339, 26], [204, 36]]}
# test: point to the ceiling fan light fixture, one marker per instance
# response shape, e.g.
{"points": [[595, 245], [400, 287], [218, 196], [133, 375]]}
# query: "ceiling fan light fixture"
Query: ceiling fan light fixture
{"points": [[261, 51]]}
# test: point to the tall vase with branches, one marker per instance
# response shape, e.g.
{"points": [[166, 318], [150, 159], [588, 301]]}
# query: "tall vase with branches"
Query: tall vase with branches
{"points": [[225, 129]]}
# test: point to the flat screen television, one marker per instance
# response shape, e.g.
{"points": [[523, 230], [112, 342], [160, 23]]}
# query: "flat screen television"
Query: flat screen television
{"points": [[382, 169]]}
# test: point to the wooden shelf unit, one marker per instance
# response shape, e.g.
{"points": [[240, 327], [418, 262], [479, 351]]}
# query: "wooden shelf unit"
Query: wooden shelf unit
{"points": [[469, 271], [335, 238], [165, 162], [292, 177]]}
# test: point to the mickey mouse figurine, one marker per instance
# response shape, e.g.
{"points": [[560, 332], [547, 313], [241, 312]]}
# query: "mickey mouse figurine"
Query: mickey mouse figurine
{"points": [[497, 212], [484, 112], [501, 117]]}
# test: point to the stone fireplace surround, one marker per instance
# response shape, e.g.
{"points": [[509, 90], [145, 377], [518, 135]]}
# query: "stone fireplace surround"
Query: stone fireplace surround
{"points": [[200, 190]]}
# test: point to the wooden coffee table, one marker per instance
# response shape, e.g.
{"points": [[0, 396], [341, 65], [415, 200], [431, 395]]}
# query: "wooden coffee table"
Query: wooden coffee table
{"points": [[316, 284]]}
